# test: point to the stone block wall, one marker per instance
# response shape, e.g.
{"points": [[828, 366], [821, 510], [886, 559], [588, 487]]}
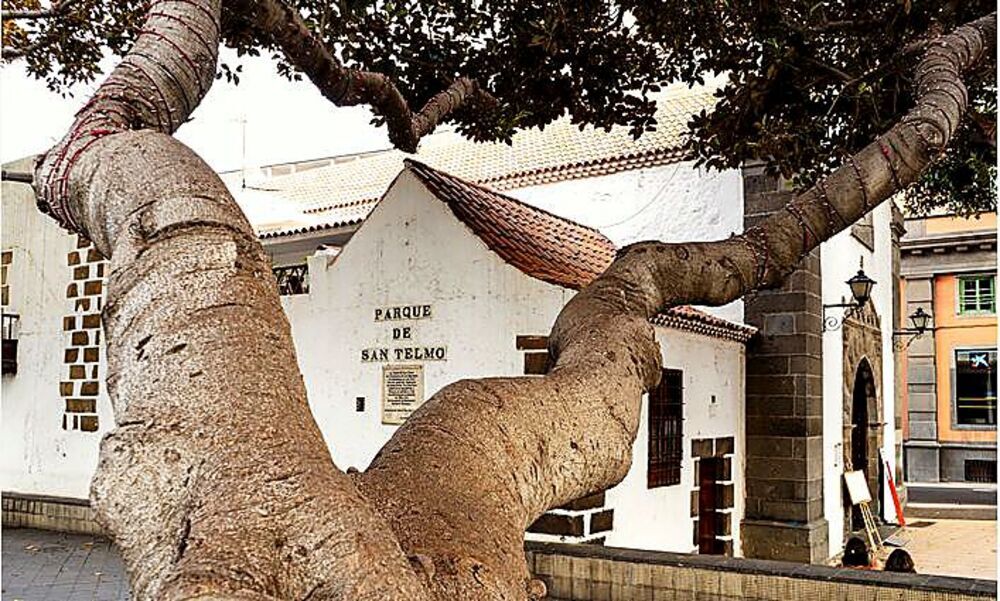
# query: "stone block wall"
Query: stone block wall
{"points": [[49, 513], [585, 520], [593, 573], [784, 402], [922, 456]]}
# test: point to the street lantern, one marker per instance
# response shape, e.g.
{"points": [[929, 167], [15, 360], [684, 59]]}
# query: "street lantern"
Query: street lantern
{"points": [[861, 290], [861, 287], [920, 320]]}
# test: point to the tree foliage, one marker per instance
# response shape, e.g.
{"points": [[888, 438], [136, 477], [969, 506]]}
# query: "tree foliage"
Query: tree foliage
{"points": [[808, 82]]}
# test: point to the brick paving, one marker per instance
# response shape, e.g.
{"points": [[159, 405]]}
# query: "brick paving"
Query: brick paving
{"points": [[49, 566]]}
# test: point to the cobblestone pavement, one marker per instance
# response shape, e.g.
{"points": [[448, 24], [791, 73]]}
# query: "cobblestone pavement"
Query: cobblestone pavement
{"points": [[964, 548], [49, 566]]}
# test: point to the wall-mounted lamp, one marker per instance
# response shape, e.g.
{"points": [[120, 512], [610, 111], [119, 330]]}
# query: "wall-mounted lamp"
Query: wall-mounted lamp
{"points": [[861, 289], [920, 320]]}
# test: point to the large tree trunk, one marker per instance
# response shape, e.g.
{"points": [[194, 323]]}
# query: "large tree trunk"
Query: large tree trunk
{"points": [[216, 482], [493, 454]]}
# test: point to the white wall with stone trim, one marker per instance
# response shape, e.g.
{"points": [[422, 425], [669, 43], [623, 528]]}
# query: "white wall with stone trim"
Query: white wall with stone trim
{"points": [[840, 260], [412, 250], [480, 304], [713, 375], [37, 455]]}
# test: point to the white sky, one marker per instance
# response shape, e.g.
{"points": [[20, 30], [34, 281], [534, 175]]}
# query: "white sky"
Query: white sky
{"points": [[285, 121]]}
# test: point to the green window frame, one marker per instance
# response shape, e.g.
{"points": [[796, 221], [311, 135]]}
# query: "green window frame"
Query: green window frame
{"points": [[977, 295]]}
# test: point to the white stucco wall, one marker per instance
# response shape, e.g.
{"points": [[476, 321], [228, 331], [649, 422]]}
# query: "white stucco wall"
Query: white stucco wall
{"points": [[411, 250], [659, 518], [674, 203], [38, 456], [840, 258]]}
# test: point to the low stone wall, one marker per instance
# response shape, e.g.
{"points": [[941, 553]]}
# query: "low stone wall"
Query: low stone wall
{"points": [[48, 513], [595, 573], [580, 572]]}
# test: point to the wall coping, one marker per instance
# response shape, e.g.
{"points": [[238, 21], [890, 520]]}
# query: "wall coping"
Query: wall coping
{"points": [[45, 498], [926, 582]]}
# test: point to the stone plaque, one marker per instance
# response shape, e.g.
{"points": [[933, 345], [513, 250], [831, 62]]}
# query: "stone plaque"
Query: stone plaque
{"points": [[402, 392]]}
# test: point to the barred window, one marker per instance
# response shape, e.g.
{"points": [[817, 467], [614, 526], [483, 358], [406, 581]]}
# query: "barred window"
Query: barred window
{"points": [[977, 294], [981, 470], [666, 432], [292, 279]]}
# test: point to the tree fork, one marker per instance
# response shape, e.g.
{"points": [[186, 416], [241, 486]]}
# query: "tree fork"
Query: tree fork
{"points": [[220, 487], [482, 459]]}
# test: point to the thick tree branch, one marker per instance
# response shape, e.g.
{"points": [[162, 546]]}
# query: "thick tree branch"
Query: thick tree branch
{"points": [[482, 459], [43, 38], [156, 86], [282, 24], [216, 482], [57, 9]]}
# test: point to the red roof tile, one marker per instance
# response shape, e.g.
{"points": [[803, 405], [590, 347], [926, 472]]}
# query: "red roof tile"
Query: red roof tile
{"points": [[540, 244], [690, 319], [548, 247]]}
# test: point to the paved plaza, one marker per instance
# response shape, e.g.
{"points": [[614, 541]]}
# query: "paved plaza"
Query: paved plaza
{"points": [[49, 566], [964, 548]]}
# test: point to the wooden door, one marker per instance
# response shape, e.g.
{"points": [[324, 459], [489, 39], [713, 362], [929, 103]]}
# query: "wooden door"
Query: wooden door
{"points": [[708, 506]]}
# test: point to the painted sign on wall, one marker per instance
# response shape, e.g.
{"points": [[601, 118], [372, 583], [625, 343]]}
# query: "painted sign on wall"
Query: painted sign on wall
{"points": [[403, 334]]}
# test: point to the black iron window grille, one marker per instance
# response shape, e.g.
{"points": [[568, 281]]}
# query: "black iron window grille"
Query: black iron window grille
{"points": [[292, 279], [981, 470], [666, 430], [9, 351]]}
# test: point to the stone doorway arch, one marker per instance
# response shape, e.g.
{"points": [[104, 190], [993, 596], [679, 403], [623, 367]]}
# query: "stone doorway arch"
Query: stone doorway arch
{"points": [[862, 406], [863, 400]]}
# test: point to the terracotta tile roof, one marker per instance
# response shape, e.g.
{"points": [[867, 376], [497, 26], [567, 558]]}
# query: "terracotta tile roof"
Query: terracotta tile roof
{"points": [[540, 244], [345, 191], [697, 321], [548, 247]]}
